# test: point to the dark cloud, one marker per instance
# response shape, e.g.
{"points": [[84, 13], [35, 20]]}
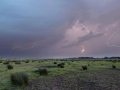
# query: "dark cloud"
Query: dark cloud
{"points": [[25, 22], [83, 29], [84, 39], [88, 37]]}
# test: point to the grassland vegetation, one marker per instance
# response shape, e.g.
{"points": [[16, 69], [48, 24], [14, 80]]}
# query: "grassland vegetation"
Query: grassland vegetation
{"points": [[64, 75]]}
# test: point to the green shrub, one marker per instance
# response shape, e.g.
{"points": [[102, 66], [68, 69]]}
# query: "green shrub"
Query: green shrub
{"points": [[27, 61], [69, 63], [55, 62], [84, 67], [9, 66], [19, 78], [43, 71], [17, 62], [113, 66], [62, 66], [63, 63], [33, 60], [0, 61], [59, 64], [6, 62]]}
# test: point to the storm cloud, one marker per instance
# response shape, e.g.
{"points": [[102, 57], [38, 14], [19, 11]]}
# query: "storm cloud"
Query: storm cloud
{"points": [[59, 28]]}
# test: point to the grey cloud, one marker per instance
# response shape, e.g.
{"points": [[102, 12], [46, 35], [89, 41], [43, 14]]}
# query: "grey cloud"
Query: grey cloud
{"points": [[84, 39], [88, 37], [43, 21]]}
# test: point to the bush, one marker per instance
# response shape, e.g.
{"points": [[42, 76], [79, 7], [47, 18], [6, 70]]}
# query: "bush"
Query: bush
{"points": [[84, 67], [9, 66], [113, 66], [43, 71], [0, 61], [63, 63], [6, 62], [62, 66], [55, 62], [17, 63], [19, 78], [59, 64], [27, 61], [33, 60]]}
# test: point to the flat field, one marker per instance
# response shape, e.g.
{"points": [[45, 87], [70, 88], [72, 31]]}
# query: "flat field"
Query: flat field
{"points": [[100, 75]]}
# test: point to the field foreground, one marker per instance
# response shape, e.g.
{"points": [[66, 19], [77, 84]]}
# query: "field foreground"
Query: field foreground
{"points": [[99, 75], [107, 79]]}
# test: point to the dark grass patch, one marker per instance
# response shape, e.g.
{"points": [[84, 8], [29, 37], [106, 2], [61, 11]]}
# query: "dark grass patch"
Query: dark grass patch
{"points": [[27, 61], [62, 66], [17, 62], [84, 67], [59, 65], [55, 62], [33, 60], [19, 78], [0, 61], [68, 63], [6, 62], [43, 71], [49, 66], [9, 66], [113, 66]]}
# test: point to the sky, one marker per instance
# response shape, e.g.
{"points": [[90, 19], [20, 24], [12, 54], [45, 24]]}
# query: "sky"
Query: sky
{"points": [[59, 28]]}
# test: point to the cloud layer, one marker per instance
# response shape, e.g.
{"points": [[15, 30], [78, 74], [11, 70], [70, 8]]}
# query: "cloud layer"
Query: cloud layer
{"points": [[59, 28]]}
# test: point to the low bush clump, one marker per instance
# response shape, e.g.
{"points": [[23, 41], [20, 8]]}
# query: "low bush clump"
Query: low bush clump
{"points": [[27, 61], [55, 62], [6, 62], [19, 78], [1, 61], [84, 67], [68, 63], [63, 63], [62, 66], [9, 66], [113, 66], [17, 62], [43, 71], [33, 60], [59, 64]]}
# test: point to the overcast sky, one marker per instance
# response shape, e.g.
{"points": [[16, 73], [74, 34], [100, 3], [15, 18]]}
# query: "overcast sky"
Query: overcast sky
{"points": [[59, 28]]}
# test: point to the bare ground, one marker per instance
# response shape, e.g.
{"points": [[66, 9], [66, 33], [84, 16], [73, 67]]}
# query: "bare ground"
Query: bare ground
{"points": [[108, 79]]}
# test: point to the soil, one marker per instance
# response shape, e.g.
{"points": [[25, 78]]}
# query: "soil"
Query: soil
{"points": [[108, 79]]}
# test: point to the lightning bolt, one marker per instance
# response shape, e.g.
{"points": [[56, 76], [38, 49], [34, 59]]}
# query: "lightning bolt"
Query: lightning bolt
{"points": [[85, 28], [16, 47], [82, 49], [106, 31], [115, 25]]}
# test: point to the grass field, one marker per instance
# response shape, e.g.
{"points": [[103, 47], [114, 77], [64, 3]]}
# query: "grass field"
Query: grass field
{"points": [[99, 75]]}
